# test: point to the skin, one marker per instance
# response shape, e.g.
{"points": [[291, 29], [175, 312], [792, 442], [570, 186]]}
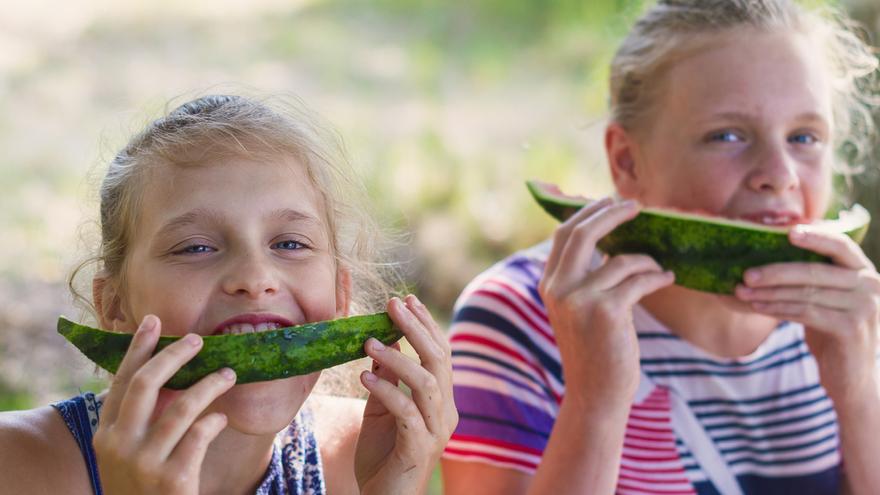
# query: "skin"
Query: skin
{"points": [[743, 125], [207, 248]]}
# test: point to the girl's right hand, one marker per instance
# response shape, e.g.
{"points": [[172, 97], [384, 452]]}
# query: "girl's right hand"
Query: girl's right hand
{"points": [[139, 455], [591, 311]]}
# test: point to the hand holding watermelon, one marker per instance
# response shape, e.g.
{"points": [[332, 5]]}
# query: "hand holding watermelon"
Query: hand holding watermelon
{"points": [[838, 304], [143, 449], [591, 309], [402, 437]]}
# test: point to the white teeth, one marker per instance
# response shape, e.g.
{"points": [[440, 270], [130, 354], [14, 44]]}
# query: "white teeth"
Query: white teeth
{"points": [[239, 328]]}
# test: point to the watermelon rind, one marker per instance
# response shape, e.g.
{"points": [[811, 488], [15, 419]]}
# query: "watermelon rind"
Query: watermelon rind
{"points": [[255, 357], [706, 253]]}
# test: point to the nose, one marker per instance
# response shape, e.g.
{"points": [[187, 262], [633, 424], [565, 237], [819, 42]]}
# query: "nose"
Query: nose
{"points": [[775, 170], [251, 275]]}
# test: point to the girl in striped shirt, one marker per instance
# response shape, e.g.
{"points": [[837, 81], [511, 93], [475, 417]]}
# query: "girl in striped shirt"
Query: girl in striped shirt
{"points": [[578, 373]]}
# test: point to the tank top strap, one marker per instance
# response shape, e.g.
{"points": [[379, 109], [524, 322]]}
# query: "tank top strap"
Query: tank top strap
{"points": [[80, 414]]}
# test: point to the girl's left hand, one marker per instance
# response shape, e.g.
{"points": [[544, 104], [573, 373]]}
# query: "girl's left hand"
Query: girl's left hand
{"points": [[402, 437], [838, 304]]}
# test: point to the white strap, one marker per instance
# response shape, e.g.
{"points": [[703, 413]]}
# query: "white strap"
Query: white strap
{"points": [[697, 440]]}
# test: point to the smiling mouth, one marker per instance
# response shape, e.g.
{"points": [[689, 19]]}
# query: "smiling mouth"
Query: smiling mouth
{"points": [[251, 323], [774, 219]]}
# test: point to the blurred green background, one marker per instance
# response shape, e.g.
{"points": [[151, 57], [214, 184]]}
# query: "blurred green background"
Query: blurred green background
{"points": [[446, 107]]}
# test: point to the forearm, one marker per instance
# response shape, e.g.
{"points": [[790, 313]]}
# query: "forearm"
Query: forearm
{"points": [[859, 422], [584, 450]]}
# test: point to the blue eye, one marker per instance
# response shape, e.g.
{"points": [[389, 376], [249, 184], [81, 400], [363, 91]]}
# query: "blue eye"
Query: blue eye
{"points": [[803, 139], [288, 245], [725, 136], [195, 249]]}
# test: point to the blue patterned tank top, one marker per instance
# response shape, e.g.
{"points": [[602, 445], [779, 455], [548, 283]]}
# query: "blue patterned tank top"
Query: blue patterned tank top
{"points": [[295, 468]]}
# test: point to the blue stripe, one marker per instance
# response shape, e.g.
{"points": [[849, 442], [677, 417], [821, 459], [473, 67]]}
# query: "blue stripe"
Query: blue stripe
{"points": [[789, 448], [764, 412], [783, 462], [507, 366], [699, 372], [657, 335], [754, 400], [516, 383], [776, 436], [510, 424], [770, 424], [710, 362], [494, 321]]}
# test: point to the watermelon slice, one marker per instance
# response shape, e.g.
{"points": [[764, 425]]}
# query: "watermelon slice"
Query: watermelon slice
{"points": [[706, 253], [259, 356]]}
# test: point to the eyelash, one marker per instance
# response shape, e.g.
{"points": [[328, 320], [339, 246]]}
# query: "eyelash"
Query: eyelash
{"points": [[196, 249]]}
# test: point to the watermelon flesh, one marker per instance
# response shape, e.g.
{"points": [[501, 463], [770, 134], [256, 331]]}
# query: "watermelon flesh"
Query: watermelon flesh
{"points": [[706, 253]]}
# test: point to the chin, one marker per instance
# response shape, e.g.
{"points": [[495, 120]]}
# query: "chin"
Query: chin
{"points": [[265, 407]]}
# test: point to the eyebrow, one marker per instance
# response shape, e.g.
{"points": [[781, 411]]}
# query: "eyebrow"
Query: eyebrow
{"points": [[199, 215], [743, 116]]}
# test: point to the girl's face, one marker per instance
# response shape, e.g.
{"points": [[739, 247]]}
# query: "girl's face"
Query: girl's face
{"points": [[741, 128], [229, 247]]}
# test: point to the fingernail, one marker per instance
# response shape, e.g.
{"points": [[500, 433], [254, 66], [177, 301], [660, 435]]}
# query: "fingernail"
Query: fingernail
{"points": [[193, 339], [744, 290], [798, 234], [370, 377], [376, 345], [228, 374], [148, 324]]}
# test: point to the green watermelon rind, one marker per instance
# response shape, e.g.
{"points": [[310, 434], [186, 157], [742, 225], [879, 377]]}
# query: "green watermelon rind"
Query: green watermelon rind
{"points": [[260, 356], [709, 254]]}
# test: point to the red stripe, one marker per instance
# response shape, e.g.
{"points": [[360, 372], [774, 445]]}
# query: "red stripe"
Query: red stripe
{"points": [[651, 459], [499, 458], [503, 299], [528, 302], [653, 419], [645, 428], [666, 481], [496, 443], [653, 491], [649, 449], [658, 438], [652, 470]]}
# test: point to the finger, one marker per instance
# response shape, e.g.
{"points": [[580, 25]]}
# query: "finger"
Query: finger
{"points": [[170, 428], [633, 289], [809, 294], [429, 351], [619, 268], [840, 248], [560, 236], [423, 384], [825, 320], [139, 351], [797, 273], [140, 399], [421, 312], [407, 415], [374, 406], [190, 452], [577, 254]]}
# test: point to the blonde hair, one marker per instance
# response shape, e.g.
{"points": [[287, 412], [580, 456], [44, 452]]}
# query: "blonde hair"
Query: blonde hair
{"points": [[670, 27], [216, 126]]}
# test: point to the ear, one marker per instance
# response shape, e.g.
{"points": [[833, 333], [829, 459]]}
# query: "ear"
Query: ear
{"points": [[108, 304], [343, 291], [622, 151]]}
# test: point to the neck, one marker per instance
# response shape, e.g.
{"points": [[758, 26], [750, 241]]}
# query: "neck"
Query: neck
{"points": [[235, 462], [720, 325]]}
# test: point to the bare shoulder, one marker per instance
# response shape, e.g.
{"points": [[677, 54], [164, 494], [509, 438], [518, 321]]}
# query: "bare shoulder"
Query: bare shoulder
{"points": [[337, 425], [39, 455]]}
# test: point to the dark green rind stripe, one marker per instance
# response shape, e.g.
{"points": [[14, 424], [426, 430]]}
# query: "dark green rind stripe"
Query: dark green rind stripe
{"points": [[705, 256], [255, 357]]}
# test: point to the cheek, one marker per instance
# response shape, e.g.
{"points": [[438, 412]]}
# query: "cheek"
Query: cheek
{"points": [[177, 309], [317, 298]]}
